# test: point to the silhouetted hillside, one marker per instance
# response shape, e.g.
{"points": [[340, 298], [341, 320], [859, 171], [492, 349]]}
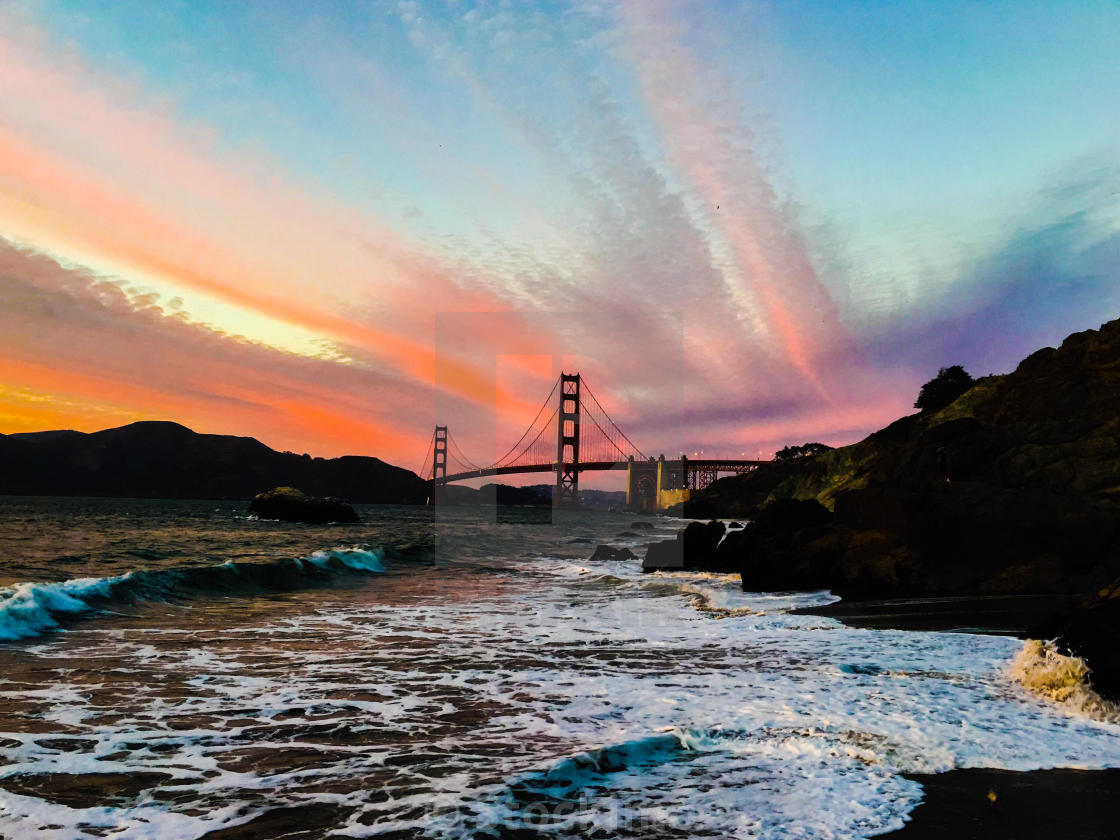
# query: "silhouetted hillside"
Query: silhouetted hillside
{"points": [[1013, 488], [167, 460]]}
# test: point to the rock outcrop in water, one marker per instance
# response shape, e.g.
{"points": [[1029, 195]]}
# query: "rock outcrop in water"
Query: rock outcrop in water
{"points": [[608, 552], [1033, 505], [697, 548], [291, 505]]}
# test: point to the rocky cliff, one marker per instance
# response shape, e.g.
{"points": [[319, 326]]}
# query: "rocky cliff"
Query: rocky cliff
{"points": [[1031, 504]]}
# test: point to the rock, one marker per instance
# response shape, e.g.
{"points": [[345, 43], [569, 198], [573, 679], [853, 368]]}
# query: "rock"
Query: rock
{"points": [[791, 515], [734, 525], [641, 526], [291, 505], [695, 549], [607, 552], [626, 535], [664, 556], [1033, 505], [906, 539], [700, 542], [789, 545], [580, 541]]}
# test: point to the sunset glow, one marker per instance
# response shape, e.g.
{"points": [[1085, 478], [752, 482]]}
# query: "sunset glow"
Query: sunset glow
{"points": [[758, 223]]}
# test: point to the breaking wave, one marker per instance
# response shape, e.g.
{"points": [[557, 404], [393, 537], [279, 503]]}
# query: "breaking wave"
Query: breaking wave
{"points": [[31, 609], [1042, 670]]}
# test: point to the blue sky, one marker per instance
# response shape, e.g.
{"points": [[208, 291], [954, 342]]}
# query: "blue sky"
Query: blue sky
{"points": [[834, 199]]}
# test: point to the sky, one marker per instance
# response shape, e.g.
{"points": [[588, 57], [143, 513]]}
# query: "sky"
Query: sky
{"points": [[747, 224]]}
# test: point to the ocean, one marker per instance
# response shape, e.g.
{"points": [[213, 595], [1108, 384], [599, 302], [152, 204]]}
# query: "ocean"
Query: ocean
{"points": [[176, 669]]}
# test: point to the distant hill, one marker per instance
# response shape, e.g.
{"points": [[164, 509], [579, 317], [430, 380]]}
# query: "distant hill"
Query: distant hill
{"points": [[167, 460]]}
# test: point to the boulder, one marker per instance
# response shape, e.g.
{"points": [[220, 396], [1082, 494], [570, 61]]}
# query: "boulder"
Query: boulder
{"points": [[695, 549], [664, 556], [607, 552], [789, 545], [291, 505]]}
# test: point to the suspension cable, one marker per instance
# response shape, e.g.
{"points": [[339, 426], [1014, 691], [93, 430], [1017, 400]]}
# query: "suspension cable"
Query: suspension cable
{"points": [[459, 456], [544, 429], [607, 436], [431, 443], [614, 425], [532, 425]]}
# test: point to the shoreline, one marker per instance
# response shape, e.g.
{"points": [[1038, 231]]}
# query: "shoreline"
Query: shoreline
{"points": [[1030, 804], [999, 615]]}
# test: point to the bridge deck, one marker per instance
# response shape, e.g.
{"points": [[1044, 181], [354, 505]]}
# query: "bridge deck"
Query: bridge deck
{"points": [[692, 463]]}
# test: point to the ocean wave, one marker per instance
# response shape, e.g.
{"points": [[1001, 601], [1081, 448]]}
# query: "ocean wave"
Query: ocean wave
{"points": [[570, 775], [700, 782], [1042, 670], [31, 609]]}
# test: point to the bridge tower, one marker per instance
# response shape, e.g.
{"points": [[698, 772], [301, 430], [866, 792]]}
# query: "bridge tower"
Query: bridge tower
{"points": [[567, 443], [439, 465]]}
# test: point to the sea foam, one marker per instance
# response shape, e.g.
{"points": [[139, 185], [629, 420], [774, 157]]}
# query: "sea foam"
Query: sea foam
{"points": [[1043, 670]]}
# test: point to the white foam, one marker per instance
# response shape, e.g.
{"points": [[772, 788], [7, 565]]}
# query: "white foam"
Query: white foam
{"points": [[29, 609], [361, 560], [617, 696]]}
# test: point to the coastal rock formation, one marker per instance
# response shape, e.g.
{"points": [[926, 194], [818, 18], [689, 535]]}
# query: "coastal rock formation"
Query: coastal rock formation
{"points": [[291, 505], [696, 548], [664, 556], [1031, 503], [789, 545], [607, 552]]}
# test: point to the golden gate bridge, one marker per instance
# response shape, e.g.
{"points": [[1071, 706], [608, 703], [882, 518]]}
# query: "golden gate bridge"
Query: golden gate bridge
{"points": [[576, 436]]}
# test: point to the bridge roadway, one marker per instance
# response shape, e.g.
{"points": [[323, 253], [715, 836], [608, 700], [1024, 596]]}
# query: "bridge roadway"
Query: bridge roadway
{"points": [[698, 464]]}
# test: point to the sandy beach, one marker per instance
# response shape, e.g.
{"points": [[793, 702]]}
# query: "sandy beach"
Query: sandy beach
{"points": [[986, 804]]}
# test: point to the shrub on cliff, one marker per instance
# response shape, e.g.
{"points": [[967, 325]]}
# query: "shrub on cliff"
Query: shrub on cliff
{"points": [[806, 450], [949, 384]]}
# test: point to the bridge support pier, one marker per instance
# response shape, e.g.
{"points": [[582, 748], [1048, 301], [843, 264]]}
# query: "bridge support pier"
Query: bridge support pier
{"points": [[655, 485], [439, 466], [567, 443], [671, 486]]}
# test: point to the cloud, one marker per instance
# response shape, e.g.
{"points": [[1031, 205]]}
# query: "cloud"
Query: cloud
{"points": [[577, 190], [1057, 271], [68, 332]]}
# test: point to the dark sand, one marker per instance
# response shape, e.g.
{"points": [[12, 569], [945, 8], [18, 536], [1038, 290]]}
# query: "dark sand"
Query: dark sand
{"points": [[1036, 805], [1050, 804], [1005, 615]]}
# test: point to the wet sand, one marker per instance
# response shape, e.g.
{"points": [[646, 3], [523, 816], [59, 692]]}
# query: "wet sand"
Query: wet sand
{"points": [[1041, 804], [1004, 615]]}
